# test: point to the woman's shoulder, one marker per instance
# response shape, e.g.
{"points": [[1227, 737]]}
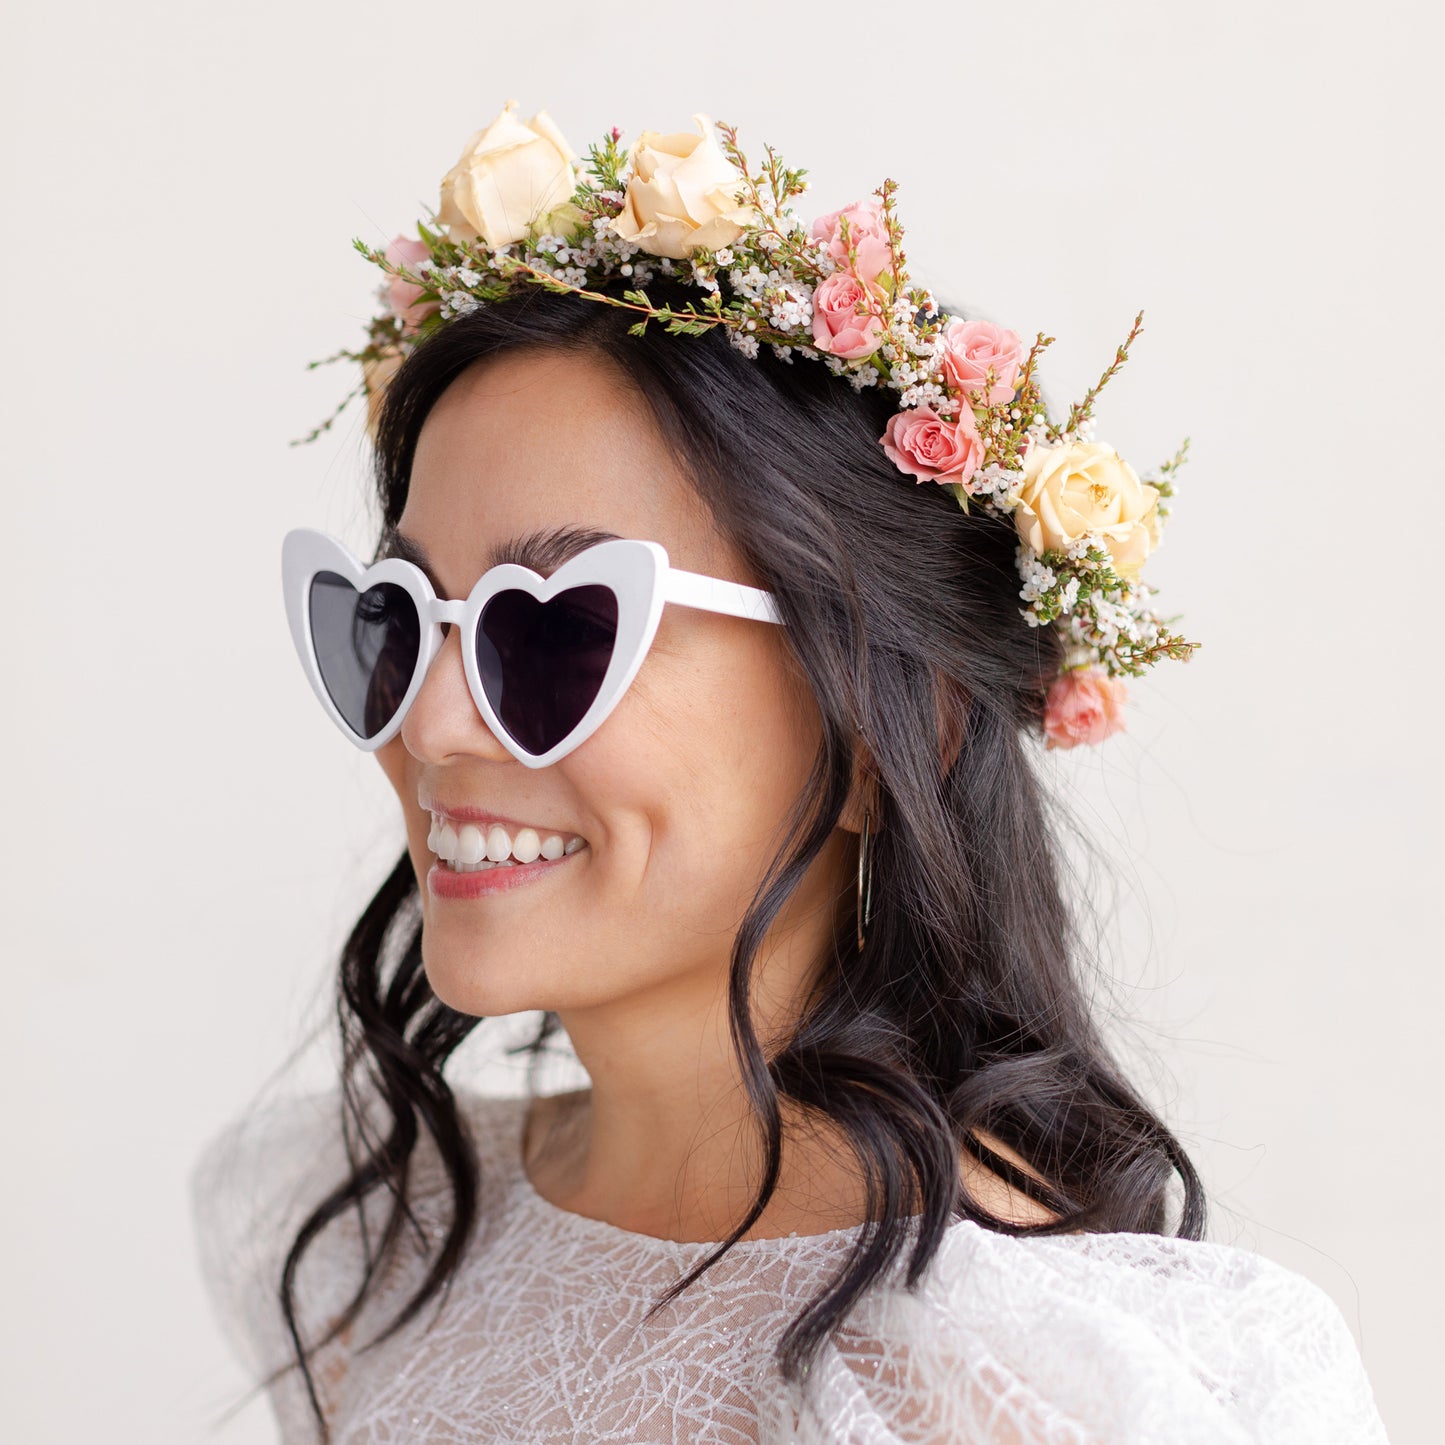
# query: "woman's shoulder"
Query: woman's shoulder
{"points": [[1118, 1336], [258, 1165], [267, 1161], [252, 1186]]}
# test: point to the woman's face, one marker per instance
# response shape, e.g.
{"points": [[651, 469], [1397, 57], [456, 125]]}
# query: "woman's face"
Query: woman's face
{"points": [[681, 794]]}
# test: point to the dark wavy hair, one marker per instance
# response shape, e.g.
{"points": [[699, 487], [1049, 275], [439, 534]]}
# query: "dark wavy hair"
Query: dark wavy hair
{"points": [[967, 1010]]}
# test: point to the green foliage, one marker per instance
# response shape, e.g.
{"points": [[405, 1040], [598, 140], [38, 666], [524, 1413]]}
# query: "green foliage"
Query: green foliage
{"points": [[1164, 482], [358, 390], [605, 160], [1082, 410]]}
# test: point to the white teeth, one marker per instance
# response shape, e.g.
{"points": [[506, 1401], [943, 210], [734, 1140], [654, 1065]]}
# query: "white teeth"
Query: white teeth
{"points": [[468, 849]]}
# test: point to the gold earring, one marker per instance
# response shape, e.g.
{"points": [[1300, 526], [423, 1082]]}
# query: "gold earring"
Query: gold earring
{"points": [[865, 888]]}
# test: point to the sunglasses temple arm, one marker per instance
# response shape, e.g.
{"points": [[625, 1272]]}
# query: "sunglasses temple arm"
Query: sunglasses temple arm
{"points": [[714, 594]]}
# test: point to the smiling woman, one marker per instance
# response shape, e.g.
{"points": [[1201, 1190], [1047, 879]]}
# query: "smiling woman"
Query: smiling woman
{"points": [[655, 794], [748, 807]]}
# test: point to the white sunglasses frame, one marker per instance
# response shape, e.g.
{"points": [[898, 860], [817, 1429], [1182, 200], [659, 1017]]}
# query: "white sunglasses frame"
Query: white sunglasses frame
{"points": [[638, 573]]}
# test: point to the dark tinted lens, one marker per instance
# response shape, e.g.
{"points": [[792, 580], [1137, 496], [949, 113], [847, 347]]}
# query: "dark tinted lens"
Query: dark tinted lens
{"points": [[366, 644], [542, 663]]}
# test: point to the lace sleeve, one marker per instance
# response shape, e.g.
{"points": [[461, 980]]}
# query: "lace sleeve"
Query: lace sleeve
{"points": [[1106, 1339], [251, 1187]]}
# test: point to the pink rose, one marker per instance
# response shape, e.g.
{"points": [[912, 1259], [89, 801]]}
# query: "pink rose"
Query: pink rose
{"points": [[971, 347], [845, 317], [926, 446], [867, 233], [1085, 705], [402, 295]]}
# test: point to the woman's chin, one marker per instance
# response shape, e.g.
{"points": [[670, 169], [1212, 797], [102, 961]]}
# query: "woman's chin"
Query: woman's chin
{"points": [[478, 986], [490, 981]]}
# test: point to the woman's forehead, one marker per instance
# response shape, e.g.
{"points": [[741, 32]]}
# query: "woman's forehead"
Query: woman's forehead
{"points": [[523, 450]]}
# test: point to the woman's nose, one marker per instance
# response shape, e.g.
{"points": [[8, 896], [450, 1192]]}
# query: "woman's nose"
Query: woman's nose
{"points": [[443, 719]]}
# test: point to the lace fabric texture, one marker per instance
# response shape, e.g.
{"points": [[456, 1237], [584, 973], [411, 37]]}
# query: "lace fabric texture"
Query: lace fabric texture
{"points": [[1128, 1339]]}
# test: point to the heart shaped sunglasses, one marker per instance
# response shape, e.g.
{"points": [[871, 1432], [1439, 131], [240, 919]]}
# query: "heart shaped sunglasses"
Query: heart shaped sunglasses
{"points": [[546, 658]]}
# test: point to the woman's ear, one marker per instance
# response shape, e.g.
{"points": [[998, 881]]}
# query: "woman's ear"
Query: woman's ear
{"points": [[950, 715], [952, 712], [863, 792]]}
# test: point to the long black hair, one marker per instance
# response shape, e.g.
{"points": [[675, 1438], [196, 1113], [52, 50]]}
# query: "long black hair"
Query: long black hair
{"points": [[967, 1012]]}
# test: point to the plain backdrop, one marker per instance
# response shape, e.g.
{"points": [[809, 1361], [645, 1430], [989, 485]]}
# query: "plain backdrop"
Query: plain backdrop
{"points": [[187, 838]]}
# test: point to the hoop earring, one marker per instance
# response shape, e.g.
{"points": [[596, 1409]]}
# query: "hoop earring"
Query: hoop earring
{"points": [[865, 887]]}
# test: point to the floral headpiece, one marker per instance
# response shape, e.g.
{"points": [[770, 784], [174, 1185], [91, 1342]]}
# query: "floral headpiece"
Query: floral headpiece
{"points": [[518, 209]]}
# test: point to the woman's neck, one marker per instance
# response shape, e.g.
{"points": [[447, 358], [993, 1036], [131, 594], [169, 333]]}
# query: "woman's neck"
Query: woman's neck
{"points": [[666, 1142]]}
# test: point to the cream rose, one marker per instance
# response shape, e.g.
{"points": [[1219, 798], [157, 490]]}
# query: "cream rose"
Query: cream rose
{"points": [[512, 176], [1087, 487], [682, 195]]}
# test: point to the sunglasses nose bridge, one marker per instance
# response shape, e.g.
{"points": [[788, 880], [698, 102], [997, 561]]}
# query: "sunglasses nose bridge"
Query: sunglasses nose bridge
{"points": [[452, 612]]}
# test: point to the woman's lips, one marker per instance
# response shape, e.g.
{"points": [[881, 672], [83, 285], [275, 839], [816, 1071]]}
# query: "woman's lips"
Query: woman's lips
{"points": [[444, 882]]}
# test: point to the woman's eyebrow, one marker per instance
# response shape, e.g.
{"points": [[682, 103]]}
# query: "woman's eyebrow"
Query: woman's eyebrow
{"points": [[397, 544], [541, 550]]}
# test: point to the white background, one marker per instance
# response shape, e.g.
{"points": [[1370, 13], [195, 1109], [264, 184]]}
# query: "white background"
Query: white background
{"points": [[187, 837]]}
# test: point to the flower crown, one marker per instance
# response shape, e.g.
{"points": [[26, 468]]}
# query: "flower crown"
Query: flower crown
{"points": [[518, 209]]}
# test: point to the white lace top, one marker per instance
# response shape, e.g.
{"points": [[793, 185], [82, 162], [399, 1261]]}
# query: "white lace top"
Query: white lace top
{"points": [[1070, 1339]]}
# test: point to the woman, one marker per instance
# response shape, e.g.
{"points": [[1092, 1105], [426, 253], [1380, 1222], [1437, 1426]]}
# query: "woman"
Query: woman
{"points": [[855, 1162]]}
